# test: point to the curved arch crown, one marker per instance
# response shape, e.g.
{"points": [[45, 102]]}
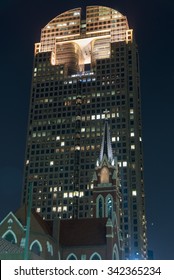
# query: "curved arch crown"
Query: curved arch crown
{"points": [[76, 42]]}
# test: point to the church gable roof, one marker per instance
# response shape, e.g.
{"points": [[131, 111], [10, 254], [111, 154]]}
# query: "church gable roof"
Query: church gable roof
{"points": [[37, 222], [12, 218]]}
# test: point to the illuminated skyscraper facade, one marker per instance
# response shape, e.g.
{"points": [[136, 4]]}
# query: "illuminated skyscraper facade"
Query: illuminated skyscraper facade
{"points": [[85, 70]]}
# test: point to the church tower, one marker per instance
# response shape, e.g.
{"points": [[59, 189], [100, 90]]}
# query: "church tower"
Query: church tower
{"points": [[106, 192]]}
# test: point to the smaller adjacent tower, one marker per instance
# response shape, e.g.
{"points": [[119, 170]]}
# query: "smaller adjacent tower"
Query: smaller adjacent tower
{"points": [[106, 192]]}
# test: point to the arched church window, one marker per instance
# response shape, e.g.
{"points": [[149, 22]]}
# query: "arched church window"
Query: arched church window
{"points": [[95, 256], [100, 207], [109, 206], [36, 247], [10, 237], [72, 257], [115, 254]]}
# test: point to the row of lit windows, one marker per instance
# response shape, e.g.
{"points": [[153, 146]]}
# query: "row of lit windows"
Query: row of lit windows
{"points": [[93, 108], [48, 113], [71, 94]]}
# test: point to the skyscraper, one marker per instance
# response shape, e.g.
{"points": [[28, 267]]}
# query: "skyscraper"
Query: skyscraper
{"points": [[85, 70]]}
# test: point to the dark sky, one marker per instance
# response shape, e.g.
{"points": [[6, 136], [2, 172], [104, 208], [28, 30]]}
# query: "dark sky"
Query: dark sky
{"points": [[153, 24]]}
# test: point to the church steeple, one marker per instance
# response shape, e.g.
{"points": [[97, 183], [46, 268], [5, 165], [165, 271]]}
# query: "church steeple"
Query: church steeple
{"points": [[106, 191], [106, 148]]}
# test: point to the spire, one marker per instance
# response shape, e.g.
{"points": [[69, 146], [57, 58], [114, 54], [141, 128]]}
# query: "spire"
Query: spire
{"points": [[106, 148]]}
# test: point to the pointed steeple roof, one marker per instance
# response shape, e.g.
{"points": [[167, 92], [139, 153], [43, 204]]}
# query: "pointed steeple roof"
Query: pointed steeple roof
{"points": [[106, 148]]}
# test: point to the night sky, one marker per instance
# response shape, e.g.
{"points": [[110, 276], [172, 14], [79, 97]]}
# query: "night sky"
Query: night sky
{"points": [[153, 24]]}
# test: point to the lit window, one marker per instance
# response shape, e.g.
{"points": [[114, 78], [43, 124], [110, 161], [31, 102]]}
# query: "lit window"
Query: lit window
{"points": [[55, 189], [77, 148], [83, 129], [38, 210], [65, 195], [132, 134], [81, 194], [62, 143], [57, 138], [27, 161], [109, 207], [70, 194], [113, 139], [51, 163], [64, 208], [54, 209], [76, 193], [124, 163], [132, 147], [134, 193], [76, 13]]}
